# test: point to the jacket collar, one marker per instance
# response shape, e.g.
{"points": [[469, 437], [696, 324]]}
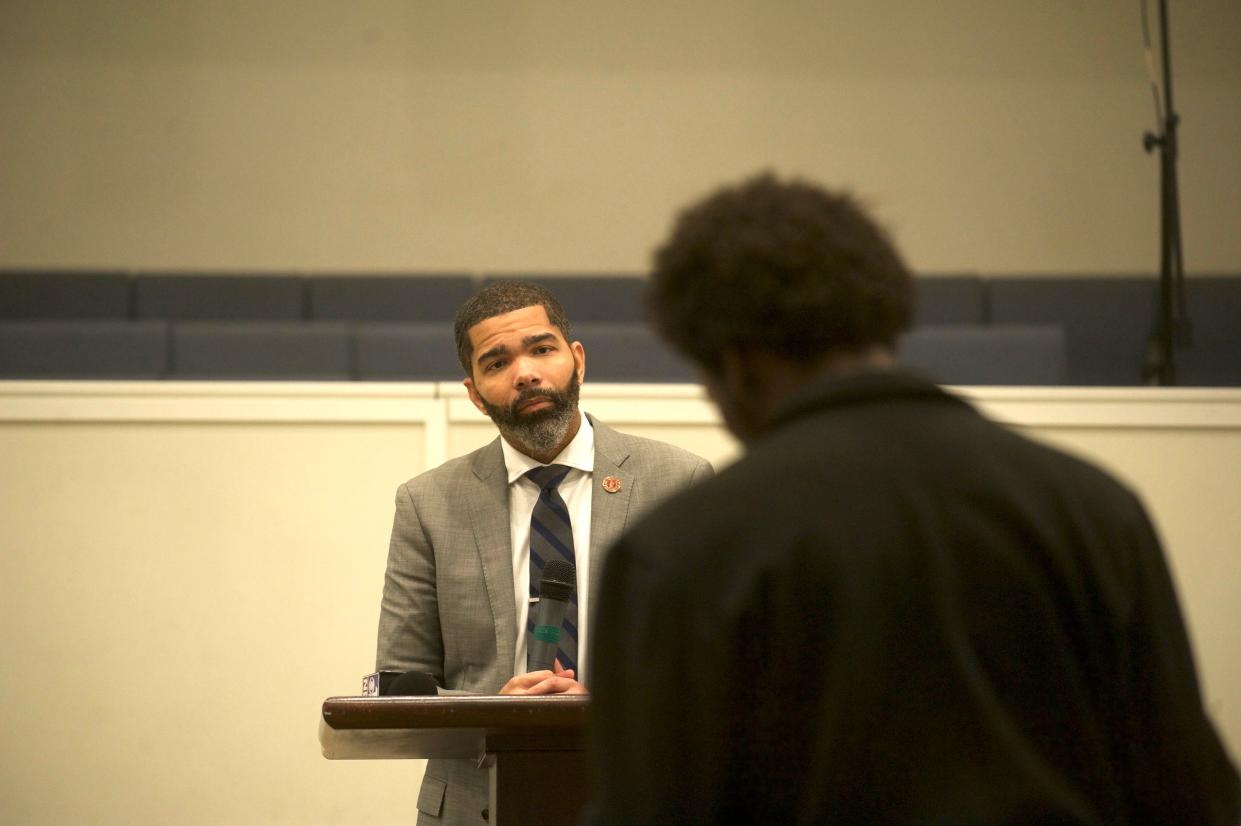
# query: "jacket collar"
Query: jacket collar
{"points": [[868, 387]]}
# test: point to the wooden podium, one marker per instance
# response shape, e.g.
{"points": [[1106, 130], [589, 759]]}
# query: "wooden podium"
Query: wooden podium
{"points": [[533, 747]]}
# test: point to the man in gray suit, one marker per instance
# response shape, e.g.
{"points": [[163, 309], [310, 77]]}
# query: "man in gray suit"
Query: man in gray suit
{"points": [[457, 593]]}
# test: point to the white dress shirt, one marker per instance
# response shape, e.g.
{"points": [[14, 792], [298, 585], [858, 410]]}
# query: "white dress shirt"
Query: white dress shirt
{"points": [[523, 493]]}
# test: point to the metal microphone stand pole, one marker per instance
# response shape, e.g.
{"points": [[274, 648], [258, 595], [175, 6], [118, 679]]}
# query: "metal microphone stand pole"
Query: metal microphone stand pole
{"points": [[1173, 325]]}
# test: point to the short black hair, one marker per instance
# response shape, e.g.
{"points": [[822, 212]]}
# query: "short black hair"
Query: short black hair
{"points": [[783, 267], [496, 299]]}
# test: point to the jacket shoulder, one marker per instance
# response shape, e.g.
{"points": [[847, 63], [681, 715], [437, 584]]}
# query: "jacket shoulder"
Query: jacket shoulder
{"points": [[644, 450], [458, 469]]}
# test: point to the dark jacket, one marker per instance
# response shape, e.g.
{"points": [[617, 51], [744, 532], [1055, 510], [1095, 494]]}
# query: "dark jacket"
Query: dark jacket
{"points": [[892, 610]]}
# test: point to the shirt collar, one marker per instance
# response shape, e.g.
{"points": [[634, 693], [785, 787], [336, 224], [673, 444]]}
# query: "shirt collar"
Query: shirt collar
{"points": [[578, 454]]}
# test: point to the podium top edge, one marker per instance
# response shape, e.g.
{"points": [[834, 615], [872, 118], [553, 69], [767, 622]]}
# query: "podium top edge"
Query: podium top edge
{"points": [[451, 712]]}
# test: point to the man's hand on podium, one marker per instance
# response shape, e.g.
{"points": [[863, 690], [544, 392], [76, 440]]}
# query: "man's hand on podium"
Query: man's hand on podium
{"points": [[558, 681]]}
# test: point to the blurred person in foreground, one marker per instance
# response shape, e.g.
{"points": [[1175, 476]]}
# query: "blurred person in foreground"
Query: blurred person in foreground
{"points": [[890, 610]]}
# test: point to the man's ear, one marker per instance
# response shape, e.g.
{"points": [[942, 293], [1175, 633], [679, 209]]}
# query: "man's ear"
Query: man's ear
{"points": [[579, 359], [474, 397], [739, 375], [736, 384]]}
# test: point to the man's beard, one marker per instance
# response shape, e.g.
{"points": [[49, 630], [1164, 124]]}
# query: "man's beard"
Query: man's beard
{"points": [[540, 430]]}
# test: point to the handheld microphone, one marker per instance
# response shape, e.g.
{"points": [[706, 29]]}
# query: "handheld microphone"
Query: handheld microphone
{"points": [[412, 684], [399, 684], [559, 579]]}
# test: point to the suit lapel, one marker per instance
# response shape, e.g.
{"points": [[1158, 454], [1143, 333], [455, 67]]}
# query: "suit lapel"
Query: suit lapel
{"points": [[608, 511], [489, 518]]}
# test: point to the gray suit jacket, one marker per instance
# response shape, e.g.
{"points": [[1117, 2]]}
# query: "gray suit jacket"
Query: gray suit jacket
{"points": [[448, 595]]}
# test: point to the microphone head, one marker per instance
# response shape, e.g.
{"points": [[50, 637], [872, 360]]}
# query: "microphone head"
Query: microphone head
{"points": [[411, 684], [559, 579]]}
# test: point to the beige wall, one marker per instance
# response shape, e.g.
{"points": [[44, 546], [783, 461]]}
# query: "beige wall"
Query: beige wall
{"points": [[188, 570], [309, 134]]}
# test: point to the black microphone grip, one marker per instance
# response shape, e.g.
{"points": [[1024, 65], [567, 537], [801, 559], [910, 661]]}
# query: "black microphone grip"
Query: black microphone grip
{"points": [[555, 588]]}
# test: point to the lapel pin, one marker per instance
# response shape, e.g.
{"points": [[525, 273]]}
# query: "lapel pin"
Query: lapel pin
{"points": [[611, 484]]}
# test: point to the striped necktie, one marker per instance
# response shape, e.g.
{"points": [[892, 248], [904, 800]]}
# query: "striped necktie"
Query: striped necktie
{"points": [[551, 537]]}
